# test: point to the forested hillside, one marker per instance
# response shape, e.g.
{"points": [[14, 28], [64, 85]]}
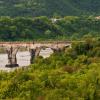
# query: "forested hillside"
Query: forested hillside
{"points": [[49, 7], [41, 28]]}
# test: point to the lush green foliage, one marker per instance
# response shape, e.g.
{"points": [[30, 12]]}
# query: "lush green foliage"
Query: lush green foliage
{"points": [[41, 28], [49, 7], [73, 74], [26, 28]]}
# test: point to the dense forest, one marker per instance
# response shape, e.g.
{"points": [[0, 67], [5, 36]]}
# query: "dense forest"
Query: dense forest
{"points": [[49, 7], [41, 28], [72, 74]]}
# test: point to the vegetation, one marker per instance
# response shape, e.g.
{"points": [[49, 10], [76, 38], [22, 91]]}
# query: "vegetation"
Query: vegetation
{"points": [[72, 74], [41, 28], [49, 7]]}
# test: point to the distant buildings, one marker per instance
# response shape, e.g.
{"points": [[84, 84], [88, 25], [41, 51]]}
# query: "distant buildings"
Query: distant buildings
{"points": [[54, 20], [98, 17]]}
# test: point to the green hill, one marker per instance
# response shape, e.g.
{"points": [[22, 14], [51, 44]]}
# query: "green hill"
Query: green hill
{"points": [[49, 7]]}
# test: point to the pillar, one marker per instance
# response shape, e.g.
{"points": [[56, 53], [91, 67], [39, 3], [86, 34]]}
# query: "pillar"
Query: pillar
{"points": [[12, 60], [34, 54]]}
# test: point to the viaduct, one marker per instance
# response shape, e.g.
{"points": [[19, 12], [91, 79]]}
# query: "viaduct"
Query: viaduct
{"points": [[33, 47]]}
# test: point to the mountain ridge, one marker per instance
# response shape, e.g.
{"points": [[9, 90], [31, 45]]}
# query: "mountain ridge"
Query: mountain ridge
{"points": [[35, 8]]}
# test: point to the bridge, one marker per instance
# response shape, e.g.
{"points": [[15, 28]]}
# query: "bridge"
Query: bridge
{"points": [[33, 47]]}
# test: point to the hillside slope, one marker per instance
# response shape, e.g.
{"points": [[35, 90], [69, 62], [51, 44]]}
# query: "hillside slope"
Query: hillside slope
{"points": [[48, 7]]}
